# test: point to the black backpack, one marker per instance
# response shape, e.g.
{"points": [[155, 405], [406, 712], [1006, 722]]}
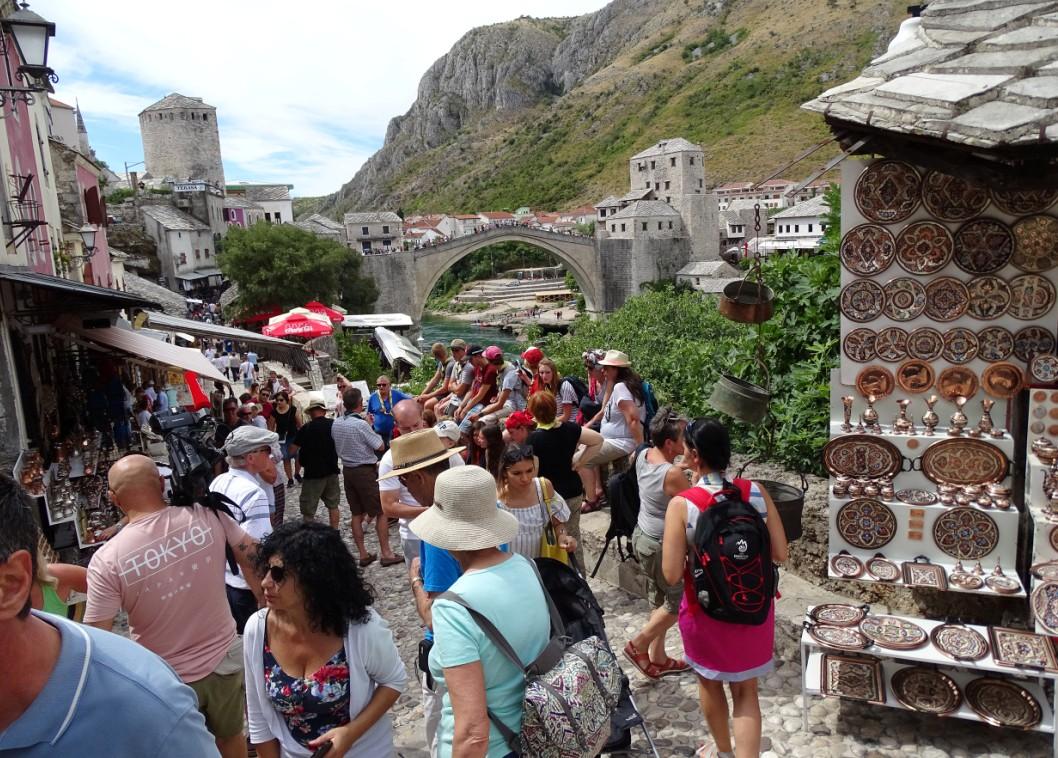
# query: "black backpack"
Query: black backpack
{"points": [[731, 566], [622, 492]]}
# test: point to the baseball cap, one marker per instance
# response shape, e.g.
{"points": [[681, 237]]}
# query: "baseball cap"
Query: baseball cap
{"points": [[475, 350], [533, 355], [447, 429], [492, 353], [246, 439], [457, 344], [519, 418]]}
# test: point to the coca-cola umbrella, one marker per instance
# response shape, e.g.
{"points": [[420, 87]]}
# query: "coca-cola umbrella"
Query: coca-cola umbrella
{"points": [[315, 306], [298, 323]]}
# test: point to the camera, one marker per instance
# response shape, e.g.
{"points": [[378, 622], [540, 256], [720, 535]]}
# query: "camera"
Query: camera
{"points": [[188, 440]]}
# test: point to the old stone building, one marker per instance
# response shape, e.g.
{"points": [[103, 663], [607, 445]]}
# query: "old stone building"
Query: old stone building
{"points": [[374, 232], [181, 140]]}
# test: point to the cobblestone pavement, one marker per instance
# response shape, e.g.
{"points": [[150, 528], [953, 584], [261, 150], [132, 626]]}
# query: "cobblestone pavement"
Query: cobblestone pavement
{"points": [[836, 728]]}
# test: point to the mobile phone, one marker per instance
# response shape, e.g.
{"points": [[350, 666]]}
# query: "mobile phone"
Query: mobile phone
{"points": [[322, 750]]}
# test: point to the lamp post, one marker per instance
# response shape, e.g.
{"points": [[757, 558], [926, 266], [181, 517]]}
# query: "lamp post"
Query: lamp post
{"points": [[127, 167], [31, 34]]}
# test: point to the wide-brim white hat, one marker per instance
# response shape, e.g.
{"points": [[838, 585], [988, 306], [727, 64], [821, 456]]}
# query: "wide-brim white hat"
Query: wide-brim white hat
{"points": [[464, 515], [615, 358]]}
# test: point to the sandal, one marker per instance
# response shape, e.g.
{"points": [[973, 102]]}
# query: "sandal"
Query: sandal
{"points": [[367, 560], [641, 661], [393, 561], [590, 506], [671, 667]]}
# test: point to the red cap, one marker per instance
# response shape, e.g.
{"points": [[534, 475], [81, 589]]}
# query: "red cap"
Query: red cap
{"points": [[519, 418], [533, 355], [492, 353]]}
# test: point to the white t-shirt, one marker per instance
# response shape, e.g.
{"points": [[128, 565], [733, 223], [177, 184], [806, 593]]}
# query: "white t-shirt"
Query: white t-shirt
{"points": [[246, 370], [513, 382], [220, 363], [251, 510], [614, 427], [393, 485]]}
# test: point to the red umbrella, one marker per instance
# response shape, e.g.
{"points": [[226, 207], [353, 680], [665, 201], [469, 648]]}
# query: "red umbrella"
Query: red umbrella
{"points": [[317, 307], [297, 325]]}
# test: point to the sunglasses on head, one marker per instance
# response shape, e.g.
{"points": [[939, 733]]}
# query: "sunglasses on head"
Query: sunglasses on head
{"points": [[277, 573]]}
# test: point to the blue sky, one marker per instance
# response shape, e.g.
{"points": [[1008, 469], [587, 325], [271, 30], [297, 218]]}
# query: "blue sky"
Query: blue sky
{"points": [[303, 90]]}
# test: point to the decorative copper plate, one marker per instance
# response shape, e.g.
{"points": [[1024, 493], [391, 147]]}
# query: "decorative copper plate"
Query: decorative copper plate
{"points": [[867, 249], [950, 198], [1046, 571], [965, 533], [1044, 368], [956, 381], [1044, 604], [1003, 703], [946, 299], [1003, 585], [1031, 296], [905, 299], [882, 569], [959, 642], [989, 297], [983, 246], [1023, 202], [994, 344], [838, 614], [840, 637], [888, 191], [925, 343], [915, 376], [1031, 341], [1002, 380], [858, 678], [1036, 244], [893, 632], [891, 344], [875, 380], [917, 497], [861, 456], [859, 345], [1017, 647], [845, 565], [862, 300], [960, 345], [924, 247], [921, 573], [964, 460], [1053, 538], [926, 690], [964, 580], [866, 523]]}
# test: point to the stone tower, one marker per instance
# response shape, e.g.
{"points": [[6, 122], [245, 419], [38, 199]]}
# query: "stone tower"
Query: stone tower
{"points": [[181, 140]]}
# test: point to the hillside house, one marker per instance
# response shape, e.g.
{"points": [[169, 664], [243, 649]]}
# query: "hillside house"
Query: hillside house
{"points": [[324, 227], [374, 232], [801, 227], [274, 199], [238, 211], [185, 248], [651, 218]]}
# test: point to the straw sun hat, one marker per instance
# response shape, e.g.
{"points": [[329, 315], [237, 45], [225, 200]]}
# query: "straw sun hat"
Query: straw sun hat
{"points": [[615, 358], [464, 515], [417, 450]]}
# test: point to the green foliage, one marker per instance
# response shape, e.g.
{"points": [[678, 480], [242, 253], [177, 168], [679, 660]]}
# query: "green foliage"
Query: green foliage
{"points": [[831, 242], [718, 39], [306, 206], [571, 282], [160, 190], [119, 195], [656, 47], [585, 228], [282, 266], [357, 359]]}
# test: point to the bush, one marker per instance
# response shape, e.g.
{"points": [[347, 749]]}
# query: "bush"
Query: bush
{"points": [[357, 359]]}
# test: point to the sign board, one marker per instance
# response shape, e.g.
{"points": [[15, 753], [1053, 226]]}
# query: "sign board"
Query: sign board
{"points": [[189, 187]]}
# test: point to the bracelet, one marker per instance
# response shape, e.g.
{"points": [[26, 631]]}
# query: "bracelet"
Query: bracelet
{"points": [[415, 579]]}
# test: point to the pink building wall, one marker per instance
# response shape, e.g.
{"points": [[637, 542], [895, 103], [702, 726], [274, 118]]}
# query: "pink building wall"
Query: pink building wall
{"points": [[235, 216], [97, 269]]}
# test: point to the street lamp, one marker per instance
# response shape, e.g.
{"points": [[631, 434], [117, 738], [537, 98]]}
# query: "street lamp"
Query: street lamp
{"points": [[31, 33], [88, 238]]}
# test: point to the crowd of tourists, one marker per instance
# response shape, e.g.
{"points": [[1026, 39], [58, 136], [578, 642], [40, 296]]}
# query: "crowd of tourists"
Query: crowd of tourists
{"points": [[254, 632]]}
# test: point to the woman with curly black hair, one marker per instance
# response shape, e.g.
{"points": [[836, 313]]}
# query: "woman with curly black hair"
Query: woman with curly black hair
{"points": [[321, 666]]}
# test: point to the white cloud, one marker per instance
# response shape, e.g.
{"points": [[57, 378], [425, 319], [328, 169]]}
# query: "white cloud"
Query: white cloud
{"points": [[303, 91]]}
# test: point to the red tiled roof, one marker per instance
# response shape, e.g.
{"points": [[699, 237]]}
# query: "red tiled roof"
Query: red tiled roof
{"points": [[497, 215], [466, 216]]}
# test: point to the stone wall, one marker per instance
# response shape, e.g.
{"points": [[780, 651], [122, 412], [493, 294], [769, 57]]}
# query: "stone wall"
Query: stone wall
{"points": [[395, 277], [615, 264], [176, 145]]}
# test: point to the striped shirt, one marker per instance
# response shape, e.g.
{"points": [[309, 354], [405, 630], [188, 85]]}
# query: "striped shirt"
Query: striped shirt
{"points": [[531, 521], [355, 441], [251, 510]]}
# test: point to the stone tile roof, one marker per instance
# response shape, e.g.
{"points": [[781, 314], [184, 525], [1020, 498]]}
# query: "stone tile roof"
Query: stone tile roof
{"points": [[171, 302], [608, 202], [260, 192], [176, 100], [236, 201], [982, 73], [675, 145], [172, 219], [636, 194], [717, 269], [813, 206], [330, 223], [374, 217], [646, 208]]}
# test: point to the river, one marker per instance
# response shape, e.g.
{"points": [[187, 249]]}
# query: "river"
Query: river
{"points": [[440, 329]]}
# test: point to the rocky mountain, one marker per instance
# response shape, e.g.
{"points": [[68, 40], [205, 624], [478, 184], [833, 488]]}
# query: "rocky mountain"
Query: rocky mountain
{"points": [[545, 112]]}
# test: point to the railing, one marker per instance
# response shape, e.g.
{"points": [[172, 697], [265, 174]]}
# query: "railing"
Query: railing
{"points": [[495, 230]]}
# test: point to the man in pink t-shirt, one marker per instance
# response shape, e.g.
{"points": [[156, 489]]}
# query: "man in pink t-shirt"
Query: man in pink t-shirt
{"points": [[166, 570]]}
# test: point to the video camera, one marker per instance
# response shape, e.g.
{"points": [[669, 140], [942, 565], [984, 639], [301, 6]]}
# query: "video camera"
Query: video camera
{"points": [[188, 440]]}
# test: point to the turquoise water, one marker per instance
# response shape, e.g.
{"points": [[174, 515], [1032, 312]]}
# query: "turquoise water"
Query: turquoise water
{"points": [[438, 329]]}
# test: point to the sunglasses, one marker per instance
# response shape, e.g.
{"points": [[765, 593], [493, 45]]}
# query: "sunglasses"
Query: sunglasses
{"points": [[278, 574], [381, 385]]}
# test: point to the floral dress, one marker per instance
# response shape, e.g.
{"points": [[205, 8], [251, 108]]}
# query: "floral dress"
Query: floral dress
{"points": [[313, 706]]}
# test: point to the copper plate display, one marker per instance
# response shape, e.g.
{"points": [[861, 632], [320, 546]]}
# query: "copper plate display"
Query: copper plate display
{"points": [[915, 376], [859, 345], [1019, 648], [1044, 604], [845, 565], [1003, 703], [922, 573], [882, 569], [983, 246], [917, 497], [862, 300], [893, 632], [989, 297], [866, 523], [888, 191], [875, 380], [925, 343], [840, 637], [1044, 368], [905, 299], [867, 249], [959, 642], [1031, 341], [891, 344], [862, 456], [1053, 538], [994, 344], [1046, 571], [946, 299], [1002, 380], [924, 247], [955, 381], [960, 345], [1031, 296], [964, 580], [1036, 244], [1024, 202], [1003, 585], [950, 198], [858, 678], [926, 690], [964, 460], [965, 533], [838, 614]]}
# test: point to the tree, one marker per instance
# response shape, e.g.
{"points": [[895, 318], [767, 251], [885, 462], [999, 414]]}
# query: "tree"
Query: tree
{"points": [[831, 242], [282, 266]]}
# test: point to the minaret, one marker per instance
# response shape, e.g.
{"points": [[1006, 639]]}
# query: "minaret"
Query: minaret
{"points": [[82, 132]]}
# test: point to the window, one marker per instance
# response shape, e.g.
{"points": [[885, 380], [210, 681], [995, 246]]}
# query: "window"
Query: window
{"points": [[363, 230], [692, 160], [365, 246], [668, 199], [644, 225], [657, 185], [672, 162], [809, 228], [652, 165], [659, 226], [602, 213], [205, 117], [797, 227], [385, 244], [277, 217], [700, 180], [207, 252], [670, 225], [183, 258], [613, 227], [622, 227], [198, 254], [268, 217], [385, 230], [667, 185]]}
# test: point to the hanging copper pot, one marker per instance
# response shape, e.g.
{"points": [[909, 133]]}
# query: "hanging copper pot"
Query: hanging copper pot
{"points": [[747, 302]]}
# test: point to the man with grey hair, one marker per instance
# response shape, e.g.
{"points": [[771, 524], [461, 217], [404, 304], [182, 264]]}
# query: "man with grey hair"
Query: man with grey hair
{"points": [[250, 464]]}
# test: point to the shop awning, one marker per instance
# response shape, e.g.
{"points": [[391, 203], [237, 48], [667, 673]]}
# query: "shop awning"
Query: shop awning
{"points": [[270, 348], [202, 274], [63, 295], [371, 320], [397, 348]]}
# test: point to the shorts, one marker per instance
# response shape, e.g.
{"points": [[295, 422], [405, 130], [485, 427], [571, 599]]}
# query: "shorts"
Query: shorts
{"points": [[361, 490], [498, 416], [313, 490], [285, 447], [466, 423], [659, 592], [222, 697], [608, 452]]}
